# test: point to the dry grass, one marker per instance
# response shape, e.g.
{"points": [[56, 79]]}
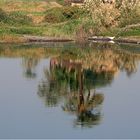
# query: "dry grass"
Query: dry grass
{"points": [[37, 18], [54, 4], [34, 9], [25, 6], [5, 38], [28, 6]]}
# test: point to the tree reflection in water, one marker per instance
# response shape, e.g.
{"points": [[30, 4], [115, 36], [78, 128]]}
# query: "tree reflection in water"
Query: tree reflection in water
{"points": [[68, 80], [76, 75], [29, 64]]}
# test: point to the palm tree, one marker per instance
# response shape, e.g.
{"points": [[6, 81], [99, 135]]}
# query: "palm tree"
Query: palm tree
{"points": [[82, 106]]}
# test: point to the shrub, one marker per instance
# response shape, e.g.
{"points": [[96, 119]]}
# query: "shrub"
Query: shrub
{"points": [[61, 14], [54, 15], [19, 18], [3, 16], [121, 12], [128, 18], [72, 12], [14, 18]]}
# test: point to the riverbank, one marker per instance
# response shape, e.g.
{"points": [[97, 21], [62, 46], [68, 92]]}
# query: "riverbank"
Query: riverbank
{"points": [[32, 39], [20, 22], [43, 39], [121, 40]]}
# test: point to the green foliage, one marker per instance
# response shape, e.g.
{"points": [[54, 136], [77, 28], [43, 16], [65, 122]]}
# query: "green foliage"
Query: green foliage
{"points": [[72, 12], [71, 22], [131, 32], [61, 14], [26, 30], [70, 27], [3, 16], [54, 15], [60, 1], [111, 16], [93, 79], [14, 18], [19, 18], [132, 17]]}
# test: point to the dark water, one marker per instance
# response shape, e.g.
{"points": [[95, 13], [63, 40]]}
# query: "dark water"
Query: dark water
{"points": [[68, 91]]}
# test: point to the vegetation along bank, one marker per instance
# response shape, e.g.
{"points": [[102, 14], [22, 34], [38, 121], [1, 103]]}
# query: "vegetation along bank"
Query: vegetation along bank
{"points": [[68, 20]]}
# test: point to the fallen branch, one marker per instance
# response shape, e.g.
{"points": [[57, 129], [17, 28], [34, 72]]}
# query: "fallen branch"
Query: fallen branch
{"points": [[45, 39]]}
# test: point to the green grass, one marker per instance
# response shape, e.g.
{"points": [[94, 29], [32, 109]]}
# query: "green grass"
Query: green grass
{"points": [[64, 30], [22, 30], [63, 22], [131, 32], [122, 32]]}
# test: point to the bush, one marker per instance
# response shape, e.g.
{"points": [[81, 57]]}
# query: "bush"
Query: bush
{"points": [[132, 17], [19, 18], [54, 15], [3, 16], [61, 14], [72, 12], [14, 18], [121, 12]]}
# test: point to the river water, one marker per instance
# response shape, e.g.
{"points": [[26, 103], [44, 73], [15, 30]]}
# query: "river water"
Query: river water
{"points": [[69, 91]]}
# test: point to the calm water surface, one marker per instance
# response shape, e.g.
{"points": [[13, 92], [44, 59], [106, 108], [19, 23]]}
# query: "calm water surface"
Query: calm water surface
{"points": [[68, 91]]}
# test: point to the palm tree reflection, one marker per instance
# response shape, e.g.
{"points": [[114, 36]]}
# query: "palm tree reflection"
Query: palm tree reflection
{"points": [[75, 76], [84, 106], [67, 80], [29, 64]]}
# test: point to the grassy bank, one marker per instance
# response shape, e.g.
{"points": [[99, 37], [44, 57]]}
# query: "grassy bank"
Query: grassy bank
{"points": [[51, 19]]}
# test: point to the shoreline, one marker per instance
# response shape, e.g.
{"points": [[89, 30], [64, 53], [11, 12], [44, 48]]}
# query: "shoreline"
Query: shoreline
{"points": [[45, 39], [29, 38], [120, 40]]}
